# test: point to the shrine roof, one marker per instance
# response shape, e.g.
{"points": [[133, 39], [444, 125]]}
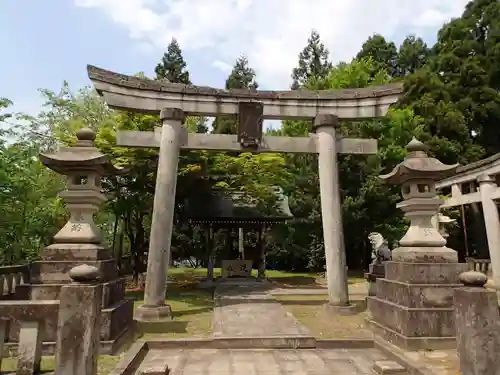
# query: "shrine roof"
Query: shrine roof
{"points": [[226, 207]]}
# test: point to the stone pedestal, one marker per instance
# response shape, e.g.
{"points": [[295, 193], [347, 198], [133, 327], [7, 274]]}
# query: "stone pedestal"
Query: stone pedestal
{"points": [[413, 308], [50, 274]]}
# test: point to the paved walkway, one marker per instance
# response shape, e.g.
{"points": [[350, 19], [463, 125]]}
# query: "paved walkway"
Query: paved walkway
{"points": [[262, 361], [252, 312]]}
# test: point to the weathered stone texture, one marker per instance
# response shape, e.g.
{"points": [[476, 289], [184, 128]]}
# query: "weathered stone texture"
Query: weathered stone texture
{"points": [[477, 326], [102, 75], [77, 346], [29, 353]]}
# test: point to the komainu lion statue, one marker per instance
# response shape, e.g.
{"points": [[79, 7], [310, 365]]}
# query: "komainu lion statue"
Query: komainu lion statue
{"points": [[380, 248]]}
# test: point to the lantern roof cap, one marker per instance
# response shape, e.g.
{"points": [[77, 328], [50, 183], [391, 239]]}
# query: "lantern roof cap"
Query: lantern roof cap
{"points": [[82, 157], [418, 165]]}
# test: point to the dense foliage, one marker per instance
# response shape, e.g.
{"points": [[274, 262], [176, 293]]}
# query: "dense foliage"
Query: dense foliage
{"points": [[451, 102]]}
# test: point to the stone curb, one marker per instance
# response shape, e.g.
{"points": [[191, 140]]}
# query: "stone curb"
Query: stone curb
{"points": [[133, 358], [397, 355], [290, 342], [344, 343]]}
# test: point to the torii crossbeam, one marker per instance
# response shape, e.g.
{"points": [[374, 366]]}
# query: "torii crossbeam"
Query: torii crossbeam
{"points": [[174, 101]]}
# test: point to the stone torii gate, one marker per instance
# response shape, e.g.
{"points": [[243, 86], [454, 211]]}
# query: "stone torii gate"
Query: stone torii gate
{"points": [[174, 101]]}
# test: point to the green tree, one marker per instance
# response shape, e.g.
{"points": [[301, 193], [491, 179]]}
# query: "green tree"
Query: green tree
{"points": [[313, 62], [172, 65], [466, 62], [242, 76], [383, 53], [413, 55]]}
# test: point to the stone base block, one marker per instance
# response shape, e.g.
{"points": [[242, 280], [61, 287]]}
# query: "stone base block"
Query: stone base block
{"points": [[424, 254], [75, 252], [113, 292], [413, 322], [153, 314], [350, 309], [424, 273], [57, 272], [372, 288], [115, 318], [111, 347], [410, 343], [416, 295]]}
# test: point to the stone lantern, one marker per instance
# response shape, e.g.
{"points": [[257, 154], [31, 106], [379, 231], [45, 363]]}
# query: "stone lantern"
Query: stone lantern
{"points": [[84, 165], [79, 242], [413, 308], [417, 174]]}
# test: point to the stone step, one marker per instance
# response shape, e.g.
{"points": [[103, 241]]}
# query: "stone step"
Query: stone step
{"points": [[388, 368], [157, 363]]}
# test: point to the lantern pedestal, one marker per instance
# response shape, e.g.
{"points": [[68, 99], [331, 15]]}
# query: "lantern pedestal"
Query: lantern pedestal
{"points": [[413, 308], [50, 274]]}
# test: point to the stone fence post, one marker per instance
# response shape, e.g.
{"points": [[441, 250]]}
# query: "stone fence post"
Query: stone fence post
{"points": [[77, 346], [477, 325]]}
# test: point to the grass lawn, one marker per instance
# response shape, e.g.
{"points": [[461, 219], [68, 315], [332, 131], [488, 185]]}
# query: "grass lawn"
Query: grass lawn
{"points": [[105, 365], [191, 307], [309, 311], [282, 278]]}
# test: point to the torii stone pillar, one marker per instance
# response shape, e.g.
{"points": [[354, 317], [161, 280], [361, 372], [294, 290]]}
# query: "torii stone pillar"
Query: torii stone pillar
{"points": [[154, 307], [492, 224], [325, 126]]}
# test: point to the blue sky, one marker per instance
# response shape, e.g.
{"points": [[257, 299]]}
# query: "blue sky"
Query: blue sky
{"points": [[46, 42]]}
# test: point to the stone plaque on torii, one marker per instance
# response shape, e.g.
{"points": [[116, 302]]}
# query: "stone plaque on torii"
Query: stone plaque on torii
{"points": [[175, 101]]}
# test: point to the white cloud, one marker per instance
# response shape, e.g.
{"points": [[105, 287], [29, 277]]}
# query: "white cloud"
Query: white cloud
{"points": [[221, 65], [271, 33]]}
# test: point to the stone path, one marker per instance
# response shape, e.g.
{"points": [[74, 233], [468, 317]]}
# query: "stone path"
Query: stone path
{"points": [[262, 361], [252, 312]]}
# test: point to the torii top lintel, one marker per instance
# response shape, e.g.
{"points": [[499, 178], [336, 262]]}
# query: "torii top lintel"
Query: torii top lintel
{"points": [[151, 96]]}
